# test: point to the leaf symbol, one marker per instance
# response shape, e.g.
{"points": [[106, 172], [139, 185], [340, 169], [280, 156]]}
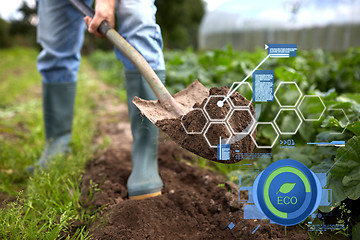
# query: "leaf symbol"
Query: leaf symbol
{"points": [[286, 187]]}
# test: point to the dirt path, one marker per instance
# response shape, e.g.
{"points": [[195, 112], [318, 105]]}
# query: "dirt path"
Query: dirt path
{"points": [[192, 205]]}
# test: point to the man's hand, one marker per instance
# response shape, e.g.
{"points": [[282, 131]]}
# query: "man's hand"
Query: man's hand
{"points": [[104, 10]]}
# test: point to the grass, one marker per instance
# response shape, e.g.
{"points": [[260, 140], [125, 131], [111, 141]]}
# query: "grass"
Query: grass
{"points": [[47, 202], [17, 73], [110, 71]]}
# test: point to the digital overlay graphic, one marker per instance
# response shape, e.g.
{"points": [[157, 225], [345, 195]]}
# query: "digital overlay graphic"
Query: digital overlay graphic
{"points": [[287, 192]]}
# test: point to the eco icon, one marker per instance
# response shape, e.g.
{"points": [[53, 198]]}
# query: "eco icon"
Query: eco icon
{"points": [[287, 192], [286, 188]]}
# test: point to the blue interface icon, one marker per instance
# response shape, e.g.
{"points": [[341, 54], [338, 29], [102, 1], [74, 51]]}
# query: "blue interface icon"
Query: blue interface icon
{"points": [[223, 152], [263, 86], [281, 50], [287, 192]]}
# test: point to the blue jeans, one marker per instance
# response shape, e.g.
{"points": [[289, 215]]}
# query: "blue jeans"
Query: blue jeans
{"points": [[61, 34]]}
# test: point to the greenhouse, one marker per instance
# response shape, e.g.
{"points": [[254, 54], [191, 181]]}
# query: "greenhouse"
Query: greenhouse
{"points": [[330, 25]]}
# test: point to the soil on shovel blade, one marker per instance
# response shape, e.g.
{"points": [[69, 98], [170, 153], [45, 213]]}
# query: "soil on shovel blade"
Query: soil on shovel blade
{"points": [[195, 203], [199, 130]]}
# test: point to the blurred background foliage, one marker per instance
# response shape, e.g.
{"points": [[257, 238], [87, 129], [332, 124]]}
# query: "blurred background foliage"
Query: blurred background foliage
{"points": [[19, 32], [179, 21]]}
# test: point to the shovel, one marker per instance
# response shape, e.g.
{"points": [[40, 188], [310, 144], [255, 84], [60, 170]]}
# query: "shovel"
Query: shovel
{"points": [[167, 107]]}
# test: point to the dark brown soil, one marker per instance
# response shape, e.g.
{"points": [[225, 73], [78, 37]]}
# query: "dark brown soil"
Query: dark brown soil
{"points": [[193, 127], [192, 206], [216, 130], [213, 129], [214, 112], [239, 126]]}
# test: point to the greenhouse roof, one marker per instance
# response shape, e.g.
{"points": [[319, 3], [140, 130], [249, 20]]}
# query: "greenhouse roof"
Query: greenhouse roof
{"points": [[260, 14]]}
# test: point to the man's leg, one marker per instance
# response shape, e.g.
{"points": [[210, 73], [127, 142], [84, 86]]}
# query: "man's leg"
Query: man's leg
{"points": [[60, 32], [137, 25]]}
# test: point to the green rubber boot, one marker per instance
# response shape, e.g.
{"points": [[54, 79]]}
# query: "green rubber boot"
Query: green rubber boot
{"points": [[58, 109], [144, 181]]}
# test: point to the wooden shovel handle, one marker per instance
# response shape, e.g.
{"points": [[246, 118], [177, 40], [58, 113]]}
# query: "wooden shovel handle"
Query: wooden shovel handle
{"points": [[135, 57]]}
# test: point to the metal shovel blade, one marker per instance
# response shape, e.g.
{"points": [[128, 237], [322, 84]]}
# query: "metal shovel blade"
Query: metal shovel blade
{"points": [[154, 111]]}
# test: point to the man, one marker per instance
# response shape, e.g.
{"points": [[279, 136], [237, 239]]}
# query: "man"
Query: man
{"points": [[61, 34]]}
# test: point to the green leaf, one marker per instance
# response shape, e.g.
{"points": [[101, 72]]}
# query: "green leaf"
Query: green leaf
{"points": [[352, 96], [332, 122], [354, 128], [346, 171], [356, 231], [286, 187], [351, 184]]}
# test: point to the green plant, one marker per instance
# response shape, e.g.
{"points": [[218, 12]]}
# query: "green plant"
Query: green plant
{"points": [[344, 220]]}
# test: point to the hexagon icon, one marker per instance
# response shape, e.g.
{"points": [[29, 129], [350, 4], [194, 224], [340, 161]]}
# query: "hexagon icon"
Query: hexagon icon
{"points": [[241, 121], [194, 122], [214, 131], [288, 121], [311, 108], [287, 94], [245, 89], [336, 118], [213, 111], [271, 132]]}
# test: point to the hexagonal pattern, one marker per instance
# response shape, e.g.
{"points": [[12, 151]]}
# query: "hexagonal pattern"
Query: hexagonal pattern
{"points": [[237, 126], [215, 113], [243, 85], [194, 127], [294, 98], [214, 131], [273, 141], [290, 128], [218, 121], [340, 115], [311, 108]]}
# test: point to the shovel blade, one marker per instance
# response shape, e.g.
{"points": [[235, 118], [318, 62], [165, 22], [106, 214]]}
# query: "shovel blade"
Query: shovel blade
{"points": [[154, 111], [172, 124]]}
